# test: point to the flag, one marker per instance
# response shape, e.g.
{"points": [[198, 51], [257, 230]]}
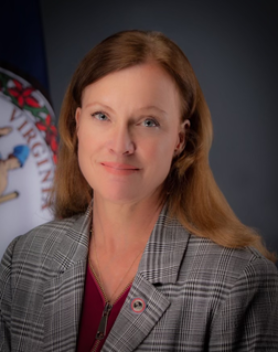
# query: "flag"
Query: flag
{"points": [[28, 136]]}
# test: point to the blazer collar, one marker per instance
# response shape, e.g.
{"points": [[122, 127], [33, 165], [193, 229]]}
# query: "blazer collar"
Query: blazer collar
{"points": [[162, 256], [63, 294], [73, 247], [160, 264], [164, 251]]}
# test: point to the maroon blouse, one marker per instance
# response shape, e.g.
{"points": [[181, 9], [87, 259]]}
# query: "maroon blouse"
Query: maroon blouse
{"points": [[92, 312]]}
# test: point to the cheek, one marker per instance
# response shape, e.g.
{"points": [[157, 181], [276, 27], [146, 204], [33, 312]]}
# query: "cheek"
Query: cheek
{"points": [[167, 146], [87, 139], [85, 149], [160, 153]]}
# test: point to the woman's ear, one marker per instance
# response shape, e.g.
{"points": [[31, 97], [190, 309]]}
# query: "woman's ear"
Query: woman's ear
{"points": [[77, 117], [184, 127]]}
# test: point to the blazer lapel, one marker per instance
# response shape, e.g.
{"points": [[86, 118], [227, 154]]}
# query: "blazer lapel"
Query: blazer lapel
{"points": [[63, 294], [131, 328], [159, 265]]}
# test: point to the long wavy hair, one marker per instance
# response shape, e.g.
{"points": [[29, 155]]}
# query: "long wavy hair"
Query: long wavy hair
{"points": [[191, 191]]}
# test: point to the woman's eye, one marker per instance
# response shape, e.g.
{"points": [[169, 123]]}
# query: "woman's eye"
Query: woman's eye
{"points": [[150, 123], [100, 116]]}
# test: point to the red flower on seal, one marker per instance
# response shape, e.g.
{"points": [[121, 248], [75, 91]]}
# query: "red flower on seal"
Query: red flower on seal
{"points": [[23, 95], [50, 135]]}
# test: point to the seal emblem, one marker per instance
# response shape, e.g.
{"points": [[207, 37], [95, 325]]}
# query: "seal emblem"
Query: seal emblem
{"points": [[28, 153]]}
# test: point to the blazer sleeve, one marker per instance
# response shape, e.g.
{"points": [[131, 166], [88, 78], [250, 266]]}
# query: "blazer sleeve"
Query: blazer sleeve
{"points": [[247, 319], [6, 298]]}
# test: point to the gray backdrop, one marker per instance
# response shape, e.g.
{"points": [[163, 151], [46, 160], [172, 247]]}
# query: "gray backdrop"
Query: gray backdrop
{"points": [[232, 46]]}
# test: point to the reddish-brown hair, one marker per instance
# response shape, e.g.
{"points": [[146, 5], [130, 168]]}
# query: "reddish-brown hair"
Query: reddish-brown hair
{"points": [[190, 188]]}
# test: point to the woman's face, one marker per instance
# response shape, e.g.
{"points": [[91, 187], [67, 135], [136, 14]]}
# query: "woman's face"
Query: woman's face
{"points": [[129, 128]]}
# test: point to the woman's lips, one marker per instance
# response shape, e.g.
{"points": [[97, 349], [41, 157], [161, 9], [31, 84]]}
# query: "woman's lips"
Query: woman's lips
{"points": [[119, 169]]}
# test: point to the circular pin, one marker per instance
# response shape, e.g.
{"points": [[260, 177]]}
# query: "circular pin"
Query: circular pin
{"points": [[138, 305]]}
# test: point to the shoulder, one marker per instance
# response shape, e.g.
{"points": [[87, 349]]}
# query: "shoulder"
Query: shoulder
{"points": [[47, 246], [202, 255], [42, 237], [224, 270], [205, 261]]}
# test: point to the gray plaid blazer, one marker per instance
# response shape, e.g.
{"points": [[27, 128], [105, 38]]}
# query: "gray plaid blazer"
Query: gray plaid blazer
{"points": [[199, 296]]}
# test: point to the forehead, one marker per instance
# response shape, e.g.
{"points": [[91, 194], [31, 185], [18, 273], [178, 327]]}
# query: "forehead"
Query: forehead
{"points": [[146, 82]]}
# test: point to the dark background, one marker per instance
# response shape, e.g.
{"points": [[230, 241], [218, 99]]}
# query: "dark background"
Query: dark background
{"points": [[232, 46]]}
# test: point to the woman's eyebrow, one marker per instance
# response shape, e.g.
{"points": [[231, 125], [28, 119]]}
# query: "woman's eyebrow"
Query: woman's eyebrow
{"points": [[99, 105], [153, 107], [144, 108]]}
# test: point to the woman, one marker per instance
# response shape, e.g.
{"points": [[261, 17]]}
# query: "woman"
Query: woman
{"points": [[147, 255]]}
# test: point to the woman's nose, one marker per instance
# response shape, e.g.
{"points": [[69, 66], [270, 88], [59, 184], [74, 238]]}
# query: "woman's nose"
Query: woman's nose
{"points": [[121, 141]]}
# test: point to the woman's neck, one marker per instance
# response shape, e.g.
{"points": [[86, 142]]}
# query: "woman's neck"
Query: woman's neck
{"points": [[120, 227]]}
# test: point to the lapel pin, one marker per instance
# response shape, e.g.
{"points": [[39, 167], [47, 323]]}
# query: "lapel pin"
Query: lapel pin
{"points": [[138, 305]]}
